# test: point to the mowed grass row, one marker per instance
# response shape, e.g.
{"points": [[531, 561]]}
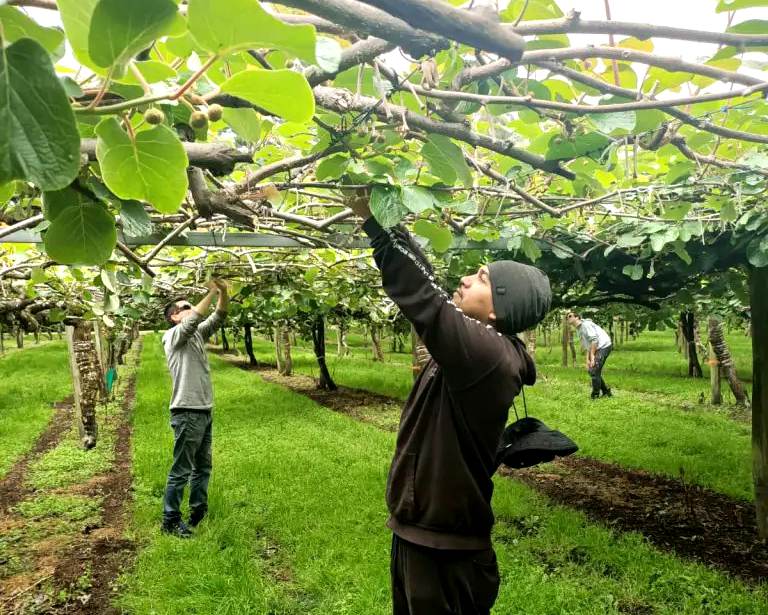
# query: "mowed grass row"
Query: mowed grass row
{"points": [[31, 380], [636, 429], [297, 523]]}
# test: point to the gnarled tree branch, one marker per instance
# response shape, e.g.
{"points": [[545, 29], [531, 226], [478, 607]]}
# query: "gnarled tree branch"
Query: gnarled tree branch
{"points": [[492, 69], [574, 24], [220, 159], [468, 27], [357, 17]]}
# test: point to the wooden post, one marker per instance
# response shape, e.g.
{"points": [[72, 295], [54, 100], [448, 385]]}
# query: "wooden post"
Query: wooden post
{"points": [[758, 283], [378, 354], [85, 375], [566, 333], [714, 377], [530, 342]]}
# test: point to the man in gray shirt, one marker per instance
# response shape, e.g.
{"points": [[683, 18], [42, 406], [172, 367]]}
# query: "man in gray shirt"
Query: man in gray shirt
{"points": [[191, 404], [597, 343]]}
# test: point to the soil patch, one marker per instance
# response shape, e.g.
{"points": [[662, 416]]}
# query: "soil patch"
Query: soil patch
{"points": [[691, 521], [96, 560], [12, 486], [79, 576], [355, 402]]}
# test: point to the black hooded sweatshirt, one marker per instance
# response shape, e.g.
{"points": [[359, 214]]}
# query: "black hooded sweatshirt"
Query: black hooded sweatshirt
{"points": [[439, 486]]}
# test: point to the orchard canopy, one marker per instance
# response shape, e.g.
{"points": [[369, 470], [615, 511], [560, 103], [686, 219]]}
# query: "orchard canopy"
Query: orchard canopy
{"points": [[131, 127]]}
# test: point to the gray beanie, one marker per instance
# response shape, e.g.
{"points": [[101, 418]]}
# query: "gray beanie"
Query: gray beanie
{"points": [[521, 296]]}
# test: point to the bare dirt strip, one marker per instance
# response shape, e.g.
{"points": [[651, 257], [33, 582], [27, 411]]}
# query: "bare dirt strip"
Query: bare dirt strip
{"points": [[71, 573], [691, 521]]}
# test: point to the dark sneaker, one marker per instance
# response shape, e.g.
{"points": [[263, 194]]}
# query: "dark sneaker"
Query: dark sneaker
{"points": [[595, 396], [176, 528], [196, 516], [608, 393]]}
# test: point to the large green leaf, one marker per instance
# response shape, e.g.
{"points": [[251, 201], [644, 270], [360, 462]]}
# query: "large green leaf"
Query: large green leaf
{"points": [[17, 25], [119, 30], [418, 199], [82, 235], [245, 122], [735, 5], [152, 71], [615, 123], [56, 201], [446, 160], [283, 92], [223, 27], [440, 238], [76, 17], [151, 167], [565, 148], [39, 141], [136, 221], [387, 205]]}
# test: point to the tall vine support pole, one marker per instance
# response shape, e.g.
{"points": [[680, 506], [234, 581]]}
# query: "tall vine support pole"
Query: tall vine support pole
{"points": [[566, 333], [86, 380], [758, 282], [716, 397], [530, 342], [722, 355]]}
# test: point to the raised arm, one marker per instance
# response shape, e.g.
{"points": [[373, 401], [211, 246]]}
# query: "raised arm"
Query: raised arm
{"points": [[182, 332], [466, 348], [210, 324]]}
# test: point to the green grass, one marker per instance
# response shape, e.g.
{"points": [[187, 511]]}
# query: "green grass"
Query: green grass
{"points": [[32, 380], [297, 523], [72, 508], [654, 421]]}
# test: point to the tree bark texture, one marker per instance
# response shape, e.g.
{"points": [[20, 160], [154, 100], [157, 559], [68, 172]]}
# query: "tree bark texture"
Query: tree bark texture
{"points": [[224, 340], [565, 335], [725, 360], [341, 341], [716, 397], [758, 282], [530, 342], [318, 342], [86, 377], [283, 350], [248, 338], [688, 322], [378, 353]]}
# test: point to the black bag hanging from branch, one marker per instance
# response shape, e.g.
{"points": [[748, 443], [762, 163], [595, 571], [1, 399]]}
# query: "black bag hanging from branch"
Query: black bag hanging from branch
{"points": [[528, 442]]}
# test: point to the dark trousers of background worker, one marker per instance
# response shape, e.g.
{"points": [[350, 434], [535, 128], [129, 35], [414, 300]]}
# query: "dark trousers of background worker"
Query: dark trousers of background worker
{"points": [[192, 439], [442, 582], [596, 373]]}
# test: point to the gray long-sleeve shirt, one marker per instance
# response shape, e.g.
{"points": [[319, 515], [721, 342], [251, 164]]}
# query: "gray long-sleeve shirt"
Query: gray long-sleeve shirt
{"points": [[184, 347]]}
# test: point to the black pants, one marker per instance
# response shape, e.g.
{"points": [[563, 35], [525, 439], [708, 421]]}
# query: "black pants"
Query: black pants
{"points": [[192, 460], [442, 582], [596, 372]]}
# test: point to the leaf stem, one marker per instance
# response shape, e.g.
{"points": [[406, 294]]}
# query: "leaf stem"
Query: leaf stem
{"points": [[199, 73]]}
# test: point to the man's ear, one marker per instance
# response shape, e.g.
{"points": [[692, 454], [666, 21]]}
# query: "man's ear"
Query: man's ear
{"points": [[492, 317]]}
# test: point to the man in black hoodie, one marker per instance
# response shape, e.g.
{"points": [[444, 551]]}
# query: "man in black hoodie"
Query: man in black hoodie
{"points": [[440, 484]]}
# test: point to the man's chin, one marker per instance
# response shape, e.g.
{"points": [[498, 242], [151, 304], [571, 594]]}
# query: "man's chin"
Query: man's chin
{"points": [[457, 298]]}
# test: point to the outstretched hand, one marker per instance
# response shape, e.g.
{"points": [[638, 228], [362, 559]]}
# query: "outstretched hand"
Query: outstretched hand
{"points": [[359, 203]]}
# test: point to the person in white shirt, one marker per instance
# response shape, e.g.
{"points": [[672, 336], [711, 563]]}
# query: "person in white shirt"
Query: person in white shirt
{"points": [[598, 345]]}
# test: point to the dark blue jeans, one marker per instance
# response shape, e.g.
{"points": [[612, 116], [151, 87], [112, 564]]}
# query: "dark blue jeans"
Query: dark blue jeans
{"points": [[192, 463], [596, 372]]}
